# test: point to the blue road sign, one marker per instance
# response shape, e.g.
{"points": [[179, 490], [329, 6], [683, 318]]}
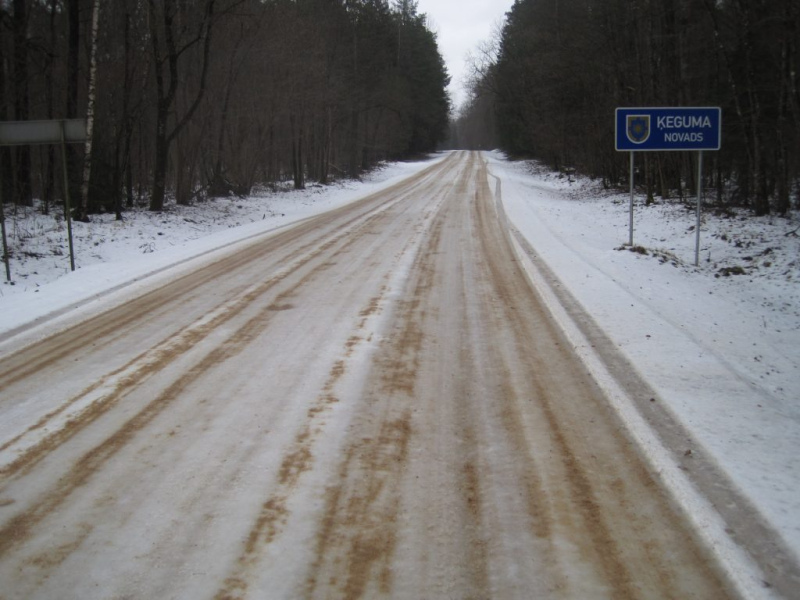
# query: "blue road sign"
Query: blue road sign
{"points": [[649, 129]]}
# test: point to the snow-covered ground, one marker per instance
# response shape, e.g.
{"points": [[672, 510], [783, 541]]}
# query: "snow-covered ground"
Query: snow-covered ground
{"points": [[721, 349], [110, 253]]}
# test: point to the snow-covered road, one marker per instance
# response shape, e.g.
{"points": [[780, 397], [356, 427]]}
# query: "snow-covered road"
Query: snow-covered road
{"points": [[370, 403]]}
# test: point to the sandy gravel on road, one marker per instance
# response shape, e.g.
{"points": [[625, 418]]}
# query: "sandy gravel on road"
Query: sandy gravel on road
{"points": [[372, 403]]}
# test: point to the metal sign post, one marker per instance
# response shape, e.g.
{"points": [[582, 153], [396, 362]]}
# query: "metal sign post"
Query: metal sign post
{"points": [[23, 133], [669, 129], [6, 258], [630, 227], [699, 202], [67, 207]]}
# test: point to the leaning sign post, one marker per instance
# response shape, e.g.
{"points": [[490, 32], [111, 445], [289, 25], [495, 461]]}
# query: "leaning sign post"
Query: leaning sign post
{"points": [[670, 129], [23, 133]]}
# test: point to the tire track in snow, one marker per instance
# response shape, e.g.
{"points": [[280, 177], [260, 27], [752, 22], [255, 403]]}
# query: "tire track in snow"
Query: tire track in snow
{"points": [[609, 513], [18, 528], [134, 373], [299, 458], [358, 539]]}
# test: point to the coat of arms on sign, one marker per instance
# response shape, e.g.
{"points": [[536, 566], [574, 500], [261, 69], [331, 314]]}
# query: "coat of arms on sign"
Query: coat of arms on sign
{"points": [[638, 128]]}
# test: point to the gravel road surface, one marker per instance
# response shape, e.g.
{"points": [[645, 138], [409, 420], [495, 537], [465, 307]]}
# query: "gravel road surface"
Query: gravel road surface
{"points": [[372, 403]]}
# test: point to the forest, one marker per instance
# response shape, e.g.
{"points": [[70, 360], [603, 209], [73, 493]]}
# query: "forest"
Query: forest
{"points": [[547, 84], [188, 99]]}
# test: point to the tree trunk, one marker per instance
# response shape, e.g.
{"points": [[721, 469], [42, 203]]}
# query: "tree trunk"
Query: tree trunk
{"points": [[648, 179], [6, 162], [298, 168], [73, 81], [22, 188], [48, 187], [160, 166], [129, 177], [166, 95], [83, 213]]}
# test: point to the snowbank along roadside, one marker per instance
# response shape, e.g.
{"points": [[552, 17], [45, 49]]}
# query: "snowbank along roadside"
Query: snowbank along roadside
{"points": [[114, 254], [719, 349]]}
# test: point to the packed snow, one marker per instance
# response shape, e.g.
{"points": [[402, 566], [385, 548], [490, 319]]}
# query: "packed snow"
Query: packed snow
{"points": [[718, 342], [111, 253]]}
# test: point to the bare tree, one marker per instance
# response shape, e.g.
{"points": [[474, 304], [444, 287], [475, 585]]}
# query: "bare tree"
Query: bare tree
{"points": [[22, 180], [91, 97], [169, 46]]}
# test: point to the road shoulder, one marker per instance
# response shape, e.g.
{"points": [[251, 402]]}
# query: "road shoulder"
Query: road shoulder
{"points": [[749, 547]]}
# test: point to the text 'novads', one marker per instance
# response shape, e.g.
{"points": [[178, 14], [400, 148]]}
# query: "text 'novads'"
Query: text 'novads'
{"points": [[682, 136]]}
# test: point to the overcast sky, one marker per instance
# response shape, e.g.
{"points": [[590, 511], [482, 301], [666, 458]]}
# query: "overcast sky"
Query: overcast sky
{"points": [[461, 25]]}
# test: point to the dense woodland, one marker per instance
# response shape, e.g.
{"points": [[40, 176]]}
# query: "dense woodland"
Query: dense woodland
{"points": [[198, 98], [548, 84]]}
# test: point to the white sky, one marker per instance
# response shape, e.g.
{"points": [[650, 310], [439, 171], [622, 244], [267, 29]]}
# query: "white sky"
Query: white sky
{"points": [[461, 25]]}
